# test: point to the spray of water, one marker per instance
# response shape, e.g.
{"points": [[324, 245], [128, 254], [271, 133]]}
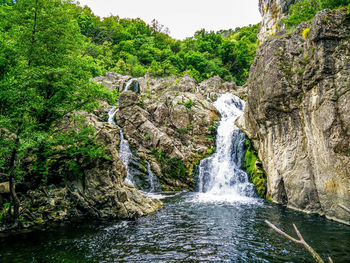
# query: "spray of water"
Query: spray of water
{"points": [[124, 149], [220, 176]]}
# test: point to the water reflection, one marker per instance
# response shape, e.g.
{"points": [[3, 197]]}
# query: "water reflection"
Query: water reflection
{"points": [[185, 230]]}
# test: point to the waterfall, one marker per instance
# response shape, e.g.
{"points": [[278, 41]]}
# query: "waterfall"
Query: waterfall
{"points": [[129, 83], [125, 155], [220, 176], [152, 180], [124, 149]]}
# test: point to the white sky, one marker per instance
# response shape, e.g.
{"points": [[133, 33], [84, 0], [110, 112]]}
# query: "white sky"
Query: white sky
{"points": [[182, 17]]}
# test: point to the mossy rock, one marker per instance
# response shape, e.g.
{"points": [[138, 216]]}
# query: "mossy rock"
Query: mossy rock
{"points": [[176, 176], [253, 166]]}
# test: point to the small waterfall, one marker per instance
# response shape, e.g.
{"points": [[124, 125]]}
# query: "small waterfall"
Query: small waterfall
{"points": [[125, 155], [209, 99], [124, 149], [130, 82], [220, 176], [152, 180]]}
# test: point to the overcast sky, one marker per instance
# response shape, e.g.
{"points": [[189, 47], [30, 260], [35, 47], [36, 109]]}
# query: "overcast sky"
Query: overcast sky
{"points": [[182, 17]]}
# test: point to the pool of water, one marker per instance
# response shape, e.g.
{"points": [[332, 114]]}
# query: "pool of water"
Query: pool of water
{"points": [[186, 229]]}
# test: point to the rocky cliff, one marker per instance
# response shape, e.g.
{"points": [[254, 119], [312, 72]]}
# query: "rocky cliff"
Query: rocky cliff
{"points": [[298, 114], [272, 12], [170, 123], [100, 194]]}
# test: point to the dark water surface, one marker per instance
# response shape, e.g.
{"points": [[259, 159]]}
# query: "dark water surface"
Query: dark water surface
{"points": [[185, 230]]}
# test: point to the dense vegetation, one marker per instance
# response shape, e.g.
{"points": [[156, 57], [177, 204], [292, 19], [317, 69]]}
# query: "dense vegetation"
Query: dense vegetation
{"points": [[305, 10], [130, 46], [49, 51], [44, 77]]}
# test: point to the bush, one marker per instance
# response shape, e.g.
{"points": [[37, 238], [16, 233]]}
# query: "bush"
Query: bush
{"points": [[301, 11], [333, 4], [307, 9], [188, 104]]}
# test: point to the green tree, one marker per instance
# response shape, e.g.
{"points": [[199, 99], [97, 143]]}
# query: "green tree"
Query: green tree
{"points": [[305, 10], [43, 79]]}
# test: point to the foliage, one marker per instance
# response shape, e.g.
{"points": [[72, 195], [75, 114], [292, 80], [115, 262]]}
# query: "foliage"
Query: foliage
{"points": [[305, 10], [44, 77], [172, 169], [255, 172], [130, 46], [188, 104]]}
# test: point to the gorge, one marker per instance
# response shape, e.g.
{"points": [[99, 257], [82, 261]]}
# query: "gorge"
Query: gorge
{"points": [[179, 163], [224, 221]]}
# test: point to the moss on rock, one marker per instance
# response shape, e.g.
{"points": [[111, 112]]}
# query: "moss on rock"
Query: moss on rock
{"points": [[176, 175], [253, 166]]}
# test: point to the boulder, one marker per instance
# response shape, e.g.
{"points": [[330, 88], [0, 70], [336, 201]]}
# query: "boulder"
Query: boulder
{"points": [[5, 188]]}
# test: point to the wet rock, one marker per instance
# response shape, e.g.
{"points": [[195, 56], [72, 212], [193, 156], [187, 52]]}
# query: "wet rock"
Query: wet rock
{"points": [[132, 85]]}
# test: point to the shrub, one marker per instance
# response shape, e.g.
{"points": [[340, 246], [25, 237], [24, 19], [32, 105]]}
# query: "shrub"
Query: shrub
{"points": [[188, 104], [306, 9], [301, 11]]}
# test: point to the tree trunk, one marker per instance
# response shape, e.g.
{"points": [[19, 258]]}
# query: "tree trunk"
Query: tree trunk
{"points": [[14, 198], [11, 172]]}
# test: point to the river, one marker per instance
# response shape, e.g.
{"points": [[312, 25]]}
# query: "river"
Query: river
{"points": [[187, 229], [223, 222]]}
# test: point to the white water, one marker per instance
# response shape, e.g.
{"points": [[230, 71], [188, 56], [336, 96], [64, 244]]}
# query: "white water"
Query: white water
{"points": [[125, 155], [127, 84], [220, 176], [151, 179], [124, 149]]}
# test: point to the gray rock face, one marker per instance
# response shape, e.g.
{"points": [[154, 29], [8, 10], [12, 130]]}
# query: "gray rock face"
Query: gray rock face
{"points": [[272, 11], [298, 115], [171, 124], [102, 192]]}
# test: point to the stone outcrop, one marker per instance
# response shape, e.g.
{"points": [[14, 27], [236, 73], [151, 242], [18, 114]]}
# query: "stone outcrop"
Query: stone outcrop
{"points": [[100, 194], [298, 115], [171, 124], [272, 12]]}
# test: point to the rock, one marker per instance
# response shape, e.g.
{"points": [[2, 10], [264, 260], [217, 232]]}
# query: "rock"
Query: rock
{"points": [[5, 188], [101, 193], [112, 80], [272, 11], [298, 115], [132, 85], [169, 125]]}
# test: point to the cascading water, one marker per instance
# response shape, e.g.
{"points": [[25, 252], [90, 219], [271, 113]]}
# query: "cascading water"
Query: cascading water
{"points": [[152, 180], [125, 155], [124, 149], [128, 84], [220, 176]]}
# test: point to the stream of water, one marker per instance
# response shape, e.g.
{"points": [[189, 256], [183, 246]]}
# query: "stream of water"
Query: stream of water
{"points": [[220, 175], [124, 148], [125, 153], [185, 230], [224, 222]]}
